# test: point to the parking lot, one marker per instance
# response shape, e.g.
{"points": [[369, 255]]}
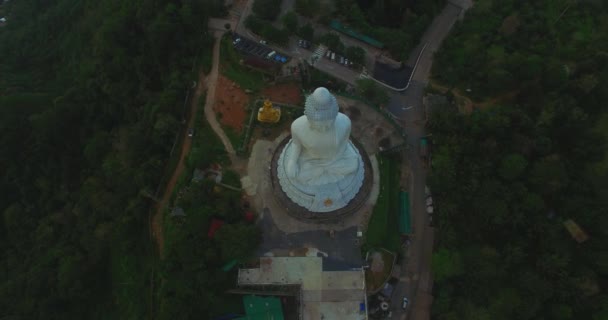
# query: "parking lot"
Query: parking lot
{"points": [[260, 50], [337, 58]]}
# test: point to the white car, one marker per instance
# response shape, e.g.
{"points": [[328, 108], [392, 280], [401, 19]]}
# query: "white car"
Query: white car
{"points": [[405, 302], [263, 41]]}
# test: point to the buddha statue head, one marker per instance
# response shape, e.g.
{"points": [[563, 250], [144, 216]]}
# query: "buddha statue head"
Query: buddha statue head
{"points": [[321, 109]]}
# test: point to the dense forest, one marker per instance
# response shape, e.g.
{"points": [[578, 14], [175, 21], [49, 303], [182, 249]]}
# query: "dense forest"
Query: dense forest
{"points": [[91, 101], [506, 177]]}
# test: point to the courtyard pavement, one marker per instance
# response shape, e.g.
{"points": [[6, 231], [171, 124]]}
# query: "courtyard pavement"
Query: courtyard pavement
{"points": [[286, 236]]}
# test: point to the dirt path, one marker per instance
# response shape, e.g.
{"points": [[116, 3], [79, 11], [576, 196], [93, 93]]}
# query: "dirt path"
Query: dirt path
{"points": [[157, 230], [209, 114], [239, 165]]}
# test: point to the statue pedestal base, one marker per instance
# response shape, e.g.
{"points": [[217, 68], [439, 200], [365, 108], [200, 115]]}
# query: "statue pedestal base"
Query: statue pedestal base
{"points": [[322, 197], [322, 203]]}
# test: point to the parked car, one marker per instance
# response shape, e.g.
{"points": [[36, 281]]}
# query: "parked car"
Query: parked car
{"points": [[328, 54], [405, 303], [345, 62], [304, 44], [263, 41], [333, 56], [190, 133], [237, 40], [283, 59], [270, 55]]}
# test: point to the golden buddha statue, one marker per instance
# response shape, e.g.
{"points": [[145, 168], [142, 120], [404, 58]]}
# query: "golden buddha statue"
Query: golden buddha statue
{"points": [[268, 113]]}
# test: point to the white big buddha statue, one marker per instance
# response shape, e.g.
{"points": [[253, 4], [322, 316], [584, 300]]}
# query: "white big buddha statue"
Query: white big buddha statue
{"points": [[320, 169]]}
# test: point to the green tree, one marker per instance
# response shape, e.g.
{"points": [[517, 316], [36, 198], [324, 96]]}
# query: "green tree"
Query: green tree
{"points": [[332, 41], [306, 32], [371, 91], [512, 166], [267, 9], [290, 21], [446, 264], [308, 8], [355, 54], [237, 241]]}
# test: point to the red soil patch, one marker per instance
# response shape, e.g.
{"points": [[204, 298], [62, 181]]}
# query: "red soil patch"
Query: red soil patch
{"points": [[230, 102], [289, 93]]}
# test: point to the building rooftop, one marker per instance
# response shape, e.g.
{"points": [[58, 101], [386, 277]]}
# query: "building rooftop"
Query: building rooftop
{"points": [[262, 308], [325, 294]]}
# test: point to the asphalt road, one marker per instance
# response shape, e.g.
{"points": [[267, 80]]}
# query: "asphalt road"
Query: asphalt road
{"points": [[416, 282], [339, 252]]}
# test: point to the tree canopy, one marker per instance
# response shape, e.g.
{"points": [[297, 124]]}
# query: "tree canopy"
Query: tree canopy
{"points": [[506, 177], [91, 101]]}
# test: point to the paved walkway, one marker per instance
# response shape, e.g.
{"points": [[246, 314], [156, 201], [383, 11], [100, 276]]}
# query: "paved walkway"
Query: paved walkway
{"points": [[284, 235]]}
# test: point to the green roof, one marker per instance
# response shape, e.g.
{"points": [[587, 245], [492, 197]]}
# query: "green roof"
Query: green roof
{"points": [[228, 266], [405, 223], [336, 25], [262, 308]]}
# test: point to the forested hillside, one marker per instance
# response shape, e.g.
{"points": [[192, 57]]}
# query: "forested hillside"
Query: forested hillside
{"points": [[505, 178], [91, 100]]}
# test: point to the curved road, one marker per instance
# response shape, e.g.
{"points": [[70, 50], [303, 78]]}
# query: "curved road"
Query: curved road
{"points": [[416, 278]]}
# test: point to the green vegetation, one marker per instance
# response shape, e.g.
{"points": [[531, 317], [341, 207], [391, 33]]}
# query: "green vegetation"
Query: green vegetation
{"points": [[192, 267], [397, 24], [233, 136], [88, 98], [232, 68], [267, 9], [308, 8], [355, 54], [290, 21], [306, 32], [505, 178], [371, 91], [92, 96], [333, 42], [265, 12], [267, 30], [312, 78], [382, 229]]}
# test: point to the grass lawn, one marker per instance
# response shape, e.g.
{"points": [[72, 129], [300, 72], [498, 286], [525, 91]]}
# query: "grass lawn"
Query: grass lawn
{"points": [[232, 68], [374, 281], [382, 229]]}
